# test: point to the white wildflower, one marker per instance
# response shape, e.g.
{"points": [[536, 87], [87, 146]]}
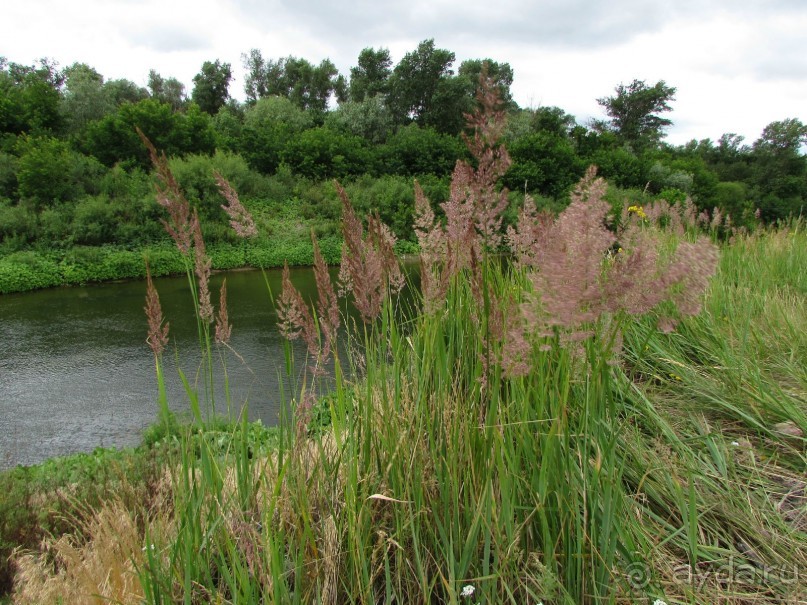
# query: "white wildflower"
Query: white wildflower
{"points": [[467, 591], [659, 602]]}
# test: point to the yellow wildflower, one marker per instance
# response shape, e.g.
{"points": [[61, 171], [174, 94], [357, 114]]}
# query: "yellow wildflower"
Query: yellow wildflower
{"points": [[638, 211]]}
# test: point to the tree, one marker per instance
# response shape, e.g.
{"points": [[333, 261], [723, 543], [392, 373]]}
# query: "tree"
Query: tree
{"points": [[501, 74], [269, 125], [170, 91], [41, 171], [30, 97], [553, 120], [321, 153], [544, 162], [785, 136], [729, 159], [125, 91], [316, 85], [211, 86], [308, 86], [453, 99], [256, 75], [413, 150], [369, 119], [780, 170], [228, 124], [84, 98], [277, 110], [634, 112], [415, 82], [371, 76], [114, 138], [48, 172]]}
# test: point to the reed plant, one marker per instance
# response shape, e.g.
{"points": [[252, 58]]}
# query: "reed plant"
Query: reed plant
{"points": [[590, 418]]}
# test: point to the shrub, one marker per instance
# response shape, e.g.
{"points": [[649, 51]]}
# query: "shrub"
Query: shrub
{"points": [[22, 271], [95, 221], [17, 223], [413, 150], [164, 260], [393, 197], [322, 153]]}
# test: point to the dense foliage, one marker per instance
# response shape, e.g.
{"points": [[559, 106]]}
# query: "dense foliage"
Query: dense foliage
{"points": [[597, 421], [73, 172]]}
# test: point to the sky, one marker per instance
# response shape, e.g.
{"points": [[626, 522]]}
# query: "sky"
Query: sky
{"points": [[737, 65]]}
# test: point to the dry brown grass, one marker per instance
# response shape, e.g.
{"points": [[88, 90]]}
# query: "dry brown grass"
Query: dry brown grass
{"points": [[97, 571]]}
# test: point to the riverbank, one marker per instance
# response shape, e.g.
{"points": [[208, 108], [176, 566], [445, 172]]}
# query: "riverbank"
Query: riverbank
{"points": [[706, 433], [51, 498], [33, 270]]}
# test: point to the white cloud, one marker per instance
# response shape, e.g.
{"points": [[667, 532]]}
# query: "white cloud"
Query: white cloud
{"points": [[737, 64]]}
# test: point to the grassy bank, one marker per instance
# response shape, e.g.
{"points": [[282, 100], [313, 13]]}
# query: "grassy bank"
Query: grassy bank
{"points": [[617, 415], [32, 270], [410, 495], [56, 497]]}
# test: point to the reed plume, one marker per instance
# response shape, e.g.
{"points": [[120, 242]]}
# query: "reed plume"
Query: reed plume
{"points": [[570, 255], [223, 328], [475, 205], [327, 304], [492, 162], [201, 266], [169, 195], [240, 219], [369, 269], [294, 317], [435, 268], [524, 238], [158, 331], [580, 282]]}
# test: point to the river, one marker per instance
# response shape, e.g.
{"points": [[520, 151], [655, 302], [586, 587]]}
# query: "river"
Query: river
{"points": [[76, 373]]}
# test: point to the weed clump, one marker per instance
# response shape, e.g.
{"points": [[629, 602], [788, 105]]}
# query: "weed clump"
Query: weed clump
{"points": [[526, 434]]}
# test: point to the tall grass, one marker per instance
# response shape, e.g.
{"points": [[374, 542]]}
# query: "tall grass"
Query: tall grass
{"points": [[525, 432]]}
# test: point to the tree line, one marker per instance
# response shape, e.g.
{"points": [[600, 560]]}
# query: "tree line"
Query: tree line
{"points": [[73, 170]]}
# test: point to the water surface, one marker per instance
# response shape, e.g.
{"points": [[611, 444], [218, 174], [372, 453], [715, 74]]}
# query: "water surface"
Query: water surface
{"points": [[76, 373]]}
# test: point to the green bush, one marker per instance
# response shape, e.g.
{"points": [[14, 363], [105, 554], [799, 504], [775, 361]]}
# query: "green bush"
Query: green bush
{"points": [[164, 260], [393, 197], [17, 222], [322, 153], [414, 150], [95, 221], [82, 264], [732, 198], [544, 163], [124, 264], [55, 226], [41, 171], [113, 139], [226, 256], [299, 252], [8, 175], [23, 271]]}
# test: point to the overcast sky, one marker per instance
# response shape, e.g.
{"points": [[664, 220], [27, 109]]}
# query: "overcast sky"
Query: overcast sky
{"points": [[737, 64]]}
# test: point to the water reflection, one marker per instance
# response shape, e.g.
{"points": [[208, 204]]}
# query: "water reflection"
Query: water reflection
{"points": [[76, 373]]}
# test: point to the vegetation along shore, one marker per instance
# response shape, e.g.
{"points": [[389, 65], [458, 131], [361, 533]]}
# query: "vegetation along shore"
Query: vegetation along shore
{"points": [[598, 392], [614, 411], [77, 202]]}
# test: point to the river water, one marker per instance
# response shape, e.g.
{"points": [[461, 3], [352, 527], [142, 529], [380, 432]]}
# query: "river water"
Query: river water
{"points": [[76, 373]]}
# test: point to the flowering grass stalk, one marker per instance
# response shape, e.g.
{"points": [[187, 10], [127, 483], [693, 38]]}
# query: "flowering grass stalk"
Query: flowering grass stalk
{"points": [[505, 442], [590, 477], [157, 340]]}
